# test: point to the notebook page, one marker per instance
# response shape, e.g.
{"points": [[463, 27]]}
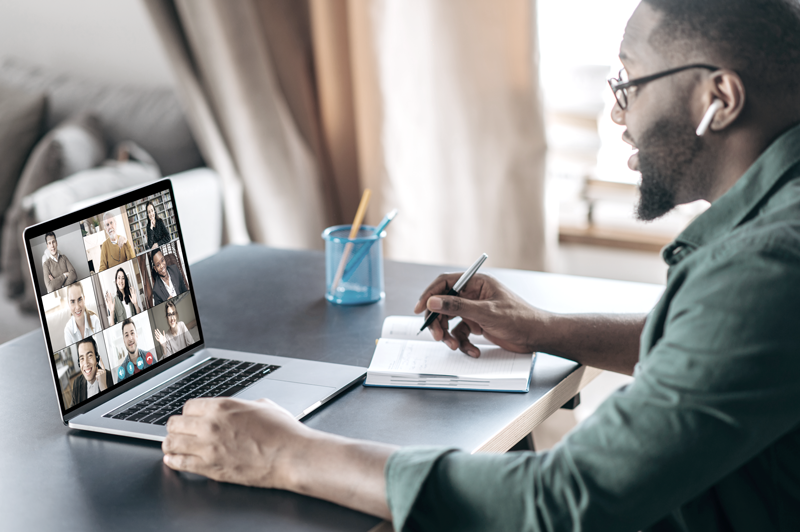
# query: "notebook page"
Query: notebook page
{"points": [[433, 358], [407, 327]]}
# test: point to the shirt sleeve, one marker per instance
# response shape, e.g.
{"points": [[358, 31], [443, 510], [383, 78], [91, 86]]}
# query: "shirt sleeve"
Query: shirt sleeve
{"points": [[71, 275], [718, 388]]}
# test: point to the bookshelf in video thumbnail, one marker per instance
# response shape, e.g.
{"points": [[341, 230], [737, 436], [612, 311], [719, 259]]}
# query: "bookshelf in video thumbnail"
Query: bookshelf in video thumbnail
{"points": [[137, 217]]}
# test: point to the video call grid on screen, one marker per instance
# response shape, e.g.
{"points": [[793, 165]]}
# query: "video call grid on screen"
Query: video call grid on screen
{"points": [[105, 266]]}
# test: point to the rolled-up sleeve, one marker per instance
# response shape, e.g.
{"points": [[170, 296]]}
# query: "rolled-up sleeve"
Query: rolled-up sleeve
{"points": [[717, 389]]}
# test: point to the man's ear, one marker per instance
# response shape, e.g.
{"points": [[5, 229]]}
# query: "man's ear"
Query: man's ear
{"points": [[726, 86]]}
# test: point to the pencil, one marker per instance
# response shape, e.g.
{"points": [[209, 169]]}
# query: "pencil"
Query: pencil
{"points": [[348, 248]]}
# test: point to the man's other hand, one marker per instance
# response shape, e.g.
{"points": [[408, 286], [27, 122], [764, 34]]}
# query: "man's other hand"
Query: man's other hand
{"points": [[231, 440], [486, 307]]}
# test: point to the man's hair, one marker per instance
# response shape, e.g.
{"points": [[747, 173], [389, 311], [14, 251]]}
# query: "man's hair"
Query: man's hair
{"points": [[50, 233], [128, 321], [759, 39], [108, 214], [89, 340]]}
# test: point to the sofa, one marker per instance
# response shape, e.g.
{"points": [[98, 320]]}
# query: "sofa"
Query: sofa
{"points": [[78, 141]]}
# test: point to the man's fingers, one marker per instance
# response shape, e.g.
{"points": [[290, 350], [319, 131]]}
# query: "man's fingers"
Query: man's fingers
{"points": [[191, 425], [181, 444], [200, 406], [186, 462], [461, 333]]}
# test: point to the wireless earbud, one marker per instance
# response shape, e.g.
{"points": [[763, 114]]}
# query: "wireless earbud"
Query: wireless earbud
{"points": [[715, 106]]}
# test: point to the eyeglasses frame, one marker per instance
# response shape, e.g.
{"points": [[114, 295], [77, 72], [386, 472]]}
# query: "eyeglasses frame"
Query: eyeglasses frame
{"points": [[617, 84]]}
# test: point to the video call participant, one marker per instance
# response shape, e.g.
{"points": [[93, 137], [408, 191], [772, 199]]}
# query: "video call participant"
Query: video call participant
{"points": [[178, 335], [167, 280], [124, 303], [157, 232], [83, 322], [137, 359], [115, 249], [58, 270], [95, 378]]}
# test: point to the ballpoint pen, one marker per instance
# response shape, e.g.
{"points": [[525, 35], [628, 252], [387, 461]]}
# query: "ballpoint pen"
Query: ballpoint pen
{"points": [[464, 279], [358, 257]]}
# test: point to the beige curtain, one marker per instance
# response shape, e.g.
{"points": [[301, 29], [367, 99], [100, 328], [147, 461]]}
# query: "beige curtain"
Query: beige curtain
{"points": [[433, 104], [455, 136], [258, 130]]}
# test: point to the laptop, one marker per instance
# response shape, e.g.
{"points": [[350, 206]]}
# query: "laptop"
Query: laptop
{"points": [[123, 333]]}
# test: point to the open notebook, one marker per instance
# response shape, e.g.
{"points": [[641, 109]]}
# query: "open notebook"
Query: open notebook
{"points": [[403, 359]]}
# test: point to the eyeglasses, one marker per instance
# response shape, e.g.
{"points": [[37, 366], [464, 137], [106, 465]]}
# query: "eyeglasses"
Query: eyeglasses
{"points": [[620, 85], [171, 314]]}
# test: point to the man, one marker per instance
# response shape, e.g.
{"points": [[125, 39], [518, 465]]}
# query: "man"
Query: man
{"points": [[137, 359], [707, 436], [168, 281], [58, 270], [95, 378], [115, 249]]}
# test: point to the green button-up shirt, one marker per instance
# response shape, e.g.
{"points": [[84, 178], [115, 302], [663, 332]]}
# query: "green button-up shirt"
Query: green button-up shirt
{"points": [[706, 438]]}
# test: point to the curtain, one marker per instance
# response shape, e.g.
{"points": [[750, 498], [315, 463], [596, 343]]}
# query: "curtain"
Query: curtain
{"points": [[432, 104], [456, 130], [256, 129]]}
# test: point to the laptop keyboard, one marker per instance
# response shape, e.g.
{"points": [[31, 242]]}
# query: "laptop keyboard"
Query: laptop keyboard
{"points": [[218, 378]]}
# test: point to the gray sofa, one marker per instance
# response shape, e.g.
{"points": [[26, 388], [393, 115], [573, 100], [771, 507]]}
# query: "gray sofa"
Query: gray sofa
{"points": [[37, 101]]}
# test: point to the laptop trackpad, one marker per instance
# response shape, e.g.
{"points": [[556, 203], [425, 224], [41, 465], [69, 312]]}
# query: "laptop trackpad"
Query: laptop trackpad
{"points": [[293, 396]]}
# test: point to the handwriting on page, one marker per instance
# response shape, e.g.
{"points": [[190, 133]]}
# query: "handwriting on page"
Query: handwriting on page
{"points": [[436, 359]]}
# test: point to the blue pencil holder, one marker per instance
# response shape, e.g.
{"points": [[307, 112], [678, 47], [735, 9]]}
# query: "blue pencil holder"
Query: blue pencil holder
{"points": [[359, 279]]}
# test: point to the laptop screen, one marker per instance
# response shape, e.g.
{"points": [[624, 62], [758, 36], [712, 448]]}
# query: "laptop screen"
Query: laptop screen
{"points": [[114, 291]]}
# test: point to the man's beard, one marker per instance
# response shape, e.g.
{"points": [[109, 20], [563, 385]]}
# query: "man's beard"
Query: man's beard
{"points": [[667, 161]]}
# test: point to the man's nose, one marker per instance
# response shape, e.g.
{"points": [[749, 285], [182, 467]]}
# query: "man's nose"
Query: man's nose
{"points": [[617, 114]]}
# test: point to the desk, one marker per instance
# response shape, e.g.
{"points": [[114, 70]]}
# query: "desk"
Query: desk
{"points": [[271, 301]]}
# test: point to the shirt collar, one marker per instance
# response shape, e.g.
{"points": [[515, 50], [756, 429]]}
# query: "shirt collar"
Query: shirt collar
{"points": [[758, 183]]}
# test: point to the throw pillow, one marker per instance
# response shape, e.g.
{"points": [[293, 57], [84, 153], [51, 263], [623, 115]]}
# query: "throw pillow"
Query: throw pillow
{"points": [[21, 118], [60, 197], [75, 145]]}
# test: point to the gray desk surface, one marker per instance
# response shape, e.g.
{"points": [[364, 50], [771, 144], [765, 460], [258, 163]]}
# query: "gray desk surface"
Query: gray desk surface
{"points": [[265, 301]]}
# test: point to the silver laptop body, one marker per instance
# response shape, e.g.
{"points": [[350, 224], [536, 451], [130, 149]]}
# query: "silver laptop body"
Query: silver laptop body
{"points": [[100, 317]]}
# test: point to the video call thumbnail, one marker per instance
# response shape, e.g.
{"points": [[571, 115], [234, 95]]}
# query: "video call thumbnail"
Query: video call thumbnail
{"points": [[174, 325], [115, 295], [165, 273]]}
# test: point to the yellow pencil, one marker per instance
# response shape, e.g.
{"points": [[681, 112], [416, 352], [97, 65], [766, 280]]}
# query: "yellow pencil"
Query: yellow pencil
{"points": [[362, 209]]}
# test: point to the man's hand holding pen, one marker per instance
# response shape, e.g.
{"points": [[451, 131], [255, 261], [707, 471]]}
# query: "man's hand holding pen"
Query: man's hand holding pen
{"points": [[485, 307]]}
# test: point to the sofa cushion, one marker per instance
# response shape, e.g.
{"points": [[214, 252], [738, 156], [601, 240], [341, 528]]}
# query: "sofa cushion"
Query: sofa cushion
{"points": [[75, 145], [21, 118], [151, 117]]}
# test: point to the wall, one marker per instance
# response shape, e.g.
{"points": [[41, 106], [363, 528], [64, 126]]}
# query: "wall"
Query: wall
{"points": [[101, 40]]}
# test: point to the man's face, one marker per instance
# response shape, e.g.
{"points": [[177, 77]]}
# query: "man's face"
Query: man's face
{"points": [[129, 337], [111, 227], [87, 359], [160, 264], [52, 245], [659, 123]]}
